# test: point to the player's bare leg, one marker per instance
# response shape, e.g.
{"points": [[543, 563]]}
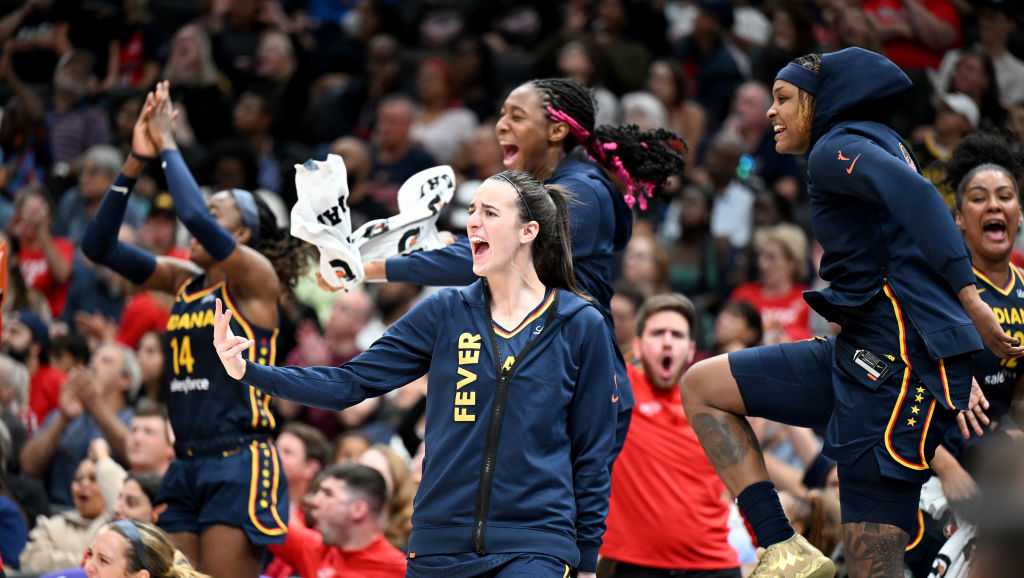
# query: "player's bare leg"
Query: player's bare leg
{"points": [[188, 543], [874, 550], [227, 553]]}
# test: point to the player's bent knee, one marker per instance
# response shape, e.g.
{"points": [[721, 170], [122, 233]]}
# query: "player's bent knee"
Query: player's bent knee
{"points": [[709, 384]]}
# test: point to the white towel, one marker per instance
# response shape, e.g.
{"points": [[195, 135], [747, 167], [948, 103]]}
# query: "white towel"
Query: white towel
{"points": [[321, 216], [420, 201]]}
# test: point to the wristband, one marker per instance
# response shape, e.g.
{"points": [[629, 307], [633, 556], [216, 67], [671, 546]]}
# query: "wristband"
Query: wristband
{"points": [[141, 158]]}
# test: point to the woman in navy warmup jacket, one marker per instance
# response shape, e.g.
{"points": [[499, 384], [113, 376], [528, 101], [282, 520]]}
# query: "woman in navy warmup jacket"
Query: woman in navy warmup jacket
{"points": [[547, 128], [898, 376], [522, 396]]}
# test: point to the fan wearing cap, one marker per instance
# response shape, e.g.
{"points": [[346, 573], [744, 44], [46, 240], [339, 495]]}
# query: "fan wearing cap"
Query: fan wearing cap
{"points": [[899, 375], [26, 338], [225, 495], [956, 116]]}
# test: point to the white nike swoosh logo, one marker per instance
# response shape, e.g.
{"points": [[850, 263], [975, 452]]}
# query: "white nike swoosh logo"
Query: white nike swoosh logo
{"points": [[120, 189]]}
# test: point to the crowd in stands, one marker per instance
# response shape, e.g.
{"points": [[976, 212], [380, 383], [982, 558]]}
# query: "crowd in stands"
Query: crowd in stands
{"points": [[396, 87]]}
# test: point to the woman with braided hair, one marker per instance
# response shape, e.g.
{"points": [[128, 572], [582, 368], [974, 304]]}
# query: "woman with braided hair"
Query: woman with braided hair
{"points": [[225, 496], [547, 128]]}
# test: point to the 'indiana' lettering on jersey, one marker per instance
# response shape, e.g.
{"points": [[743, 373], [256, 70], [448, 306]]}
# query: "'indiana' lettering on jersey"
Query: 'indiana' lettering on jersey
{"points": [[998, 376], [204, 403]]}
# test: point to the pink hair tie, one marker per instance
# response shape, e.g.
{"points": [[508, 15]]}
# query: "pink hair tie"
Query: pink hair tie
{"points": [[582, 135]]}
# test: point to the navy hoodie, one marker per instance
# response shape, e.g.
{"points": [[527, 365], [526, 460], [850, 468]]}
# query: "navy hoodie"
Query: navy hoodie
{"points": [[516, 460], [877, 218], [601, 222]]}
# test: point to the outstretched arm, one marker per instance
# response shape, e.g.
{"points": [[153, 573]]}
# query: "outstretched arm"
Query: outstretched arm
{"points": [[450, 266], [399, 357], [251, 274]]}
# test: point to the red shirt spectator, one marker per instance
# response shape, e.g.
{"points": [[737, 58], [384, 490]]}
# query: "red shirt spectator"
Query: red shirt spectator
{"points": [[142, 313], [663, 479], [304, 550], [916, 33], [787, 312], [37, 274], [44, 393]]}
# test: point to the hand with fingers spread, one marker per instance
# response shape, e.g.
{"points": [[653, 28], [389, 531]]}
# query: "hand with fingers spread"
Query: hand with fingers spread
{"points": [[973, 418], [228, 345]]}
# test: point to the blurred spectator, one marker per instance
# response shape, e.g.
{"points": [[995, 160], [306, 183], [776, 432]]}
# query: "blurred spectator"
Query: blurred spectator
{"points": [[473, 76], [200, 91], [100, 165], [73, 123], [915, 33], [150, 355], [748, 122], [442, 123], [281, 77], [995, 24], [974, 75], [44, 260], [393, 301], [401, 491], [792, 36], [27, 340], [349, 446], [26, 155], [92, 405], [686, 118], [622, 60], [731, 208], [956, 116], [480, 158], [69, 351], [14, 409], [158, 232], [13, 526], [576, 61], [253, 118], [348, 540], [60, 540], [362, 206], [662, 478], [778, 293], [304, 452], [625, 305], [738, 326], [394, 157], [139, 40], [137, 498], [645, 265], [644, 110], [710, 58], [150, 445]]}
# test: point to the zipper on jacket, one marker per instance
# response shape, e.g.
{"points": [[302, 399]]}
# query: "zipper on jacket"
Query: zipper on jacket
{"points": [[483, 498]]}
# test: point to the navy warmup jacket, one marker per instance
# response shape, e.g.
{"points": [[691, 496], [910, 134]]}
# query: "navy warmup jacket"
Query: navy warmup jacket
{"points": [[516, 460], [877, 218]]}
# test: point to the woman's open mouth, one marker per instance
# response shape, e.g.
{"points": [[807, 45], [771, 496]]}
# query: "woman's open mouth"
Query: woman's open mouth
{"points": [[994, 230]]}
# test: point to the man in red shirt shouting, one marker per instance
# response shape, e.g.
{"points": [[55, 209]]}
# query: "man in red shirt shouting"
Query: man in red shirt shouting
{"points": [[669, 510], [348, 540]]}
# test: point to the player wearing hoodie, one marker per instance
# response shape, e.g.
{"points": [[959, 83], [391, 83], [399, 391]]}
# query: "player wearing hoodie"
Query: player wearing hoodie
{"points": [[902, 289]]}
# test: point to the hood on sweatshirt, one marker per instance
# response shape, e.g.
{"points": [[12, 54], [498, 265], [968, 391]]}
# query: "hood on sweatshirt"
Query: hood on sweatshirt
{"points": [[849, 85]]}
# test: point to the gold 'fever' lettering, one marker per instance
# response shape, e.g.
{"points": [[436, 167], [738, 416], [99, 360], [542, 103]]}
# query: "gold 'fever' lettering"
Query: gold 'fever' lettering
{"points": [[469, 355]]}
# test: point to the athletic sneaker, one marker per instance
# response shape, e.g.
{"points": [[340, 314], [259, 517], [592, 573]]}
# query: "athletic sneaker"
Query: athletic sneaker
{"points": [[793, 558]]}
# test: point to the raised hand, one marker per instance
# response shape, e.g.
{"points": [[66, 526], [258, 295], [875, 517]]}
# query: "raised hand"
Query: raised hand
{"points": [[973, 418], [160, 123], [228, 345], [143, 146]]}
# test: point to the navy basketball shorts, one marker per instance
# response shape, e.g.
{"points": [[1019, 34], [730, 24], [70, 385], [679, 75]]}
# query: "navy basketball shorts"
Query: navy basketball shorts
{"points": [[472, 565], [242, 486], [883, 423]]}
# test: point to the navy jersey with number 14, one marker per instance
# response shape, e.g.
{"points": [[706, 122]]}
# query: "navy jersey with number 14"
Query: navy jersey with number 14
{"points": [[204, 404]]}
